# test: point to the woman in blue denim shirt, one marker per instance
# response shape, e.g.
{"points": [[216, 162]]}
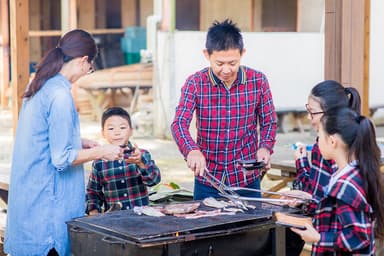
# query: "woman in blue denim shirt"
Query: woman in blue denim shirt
{"points": [[47, 180]]}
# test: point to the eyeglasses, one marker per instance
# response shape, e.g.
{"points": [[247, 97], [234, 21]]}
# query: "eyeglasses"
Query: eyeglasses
{"points": [[312, 113]]}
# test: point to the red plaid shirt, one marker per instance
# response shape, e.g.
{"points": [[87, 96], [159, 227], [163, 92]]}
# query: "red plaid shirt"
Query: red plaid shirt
{"points": [[227, 121], [315, 177], [344, 218]]}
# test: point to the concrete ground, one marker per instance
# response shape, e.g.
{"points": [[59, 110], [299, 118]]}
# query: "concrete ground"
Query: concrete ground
{"points": [[164, 152]]}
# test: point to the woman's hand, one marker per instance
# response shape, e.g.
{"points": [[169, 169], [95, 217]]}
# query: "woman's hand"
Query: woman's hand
{"points": [[310, 235], [111, 152], [86, 143]]}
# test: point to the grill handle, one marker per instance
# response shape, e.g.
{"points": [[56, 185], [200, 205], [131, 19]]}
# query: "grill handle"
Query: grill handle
{"points": [[111, 240], [79, 230]]}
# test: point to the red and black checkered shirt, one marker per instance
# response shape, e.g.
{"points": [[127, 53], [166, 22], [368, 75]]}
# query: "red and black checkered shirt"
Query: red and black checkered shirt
{"points": [[227, 121]]}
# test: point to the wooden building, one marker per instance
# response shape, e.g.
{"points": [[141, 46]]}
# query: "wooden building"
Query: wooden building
{"points": [[30, 27]]}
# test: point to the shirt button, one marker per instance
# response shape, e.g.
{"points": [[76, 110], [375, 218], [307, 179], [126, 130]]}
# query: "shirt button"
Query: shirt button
{"points": [[125, 194], [122, 181]]}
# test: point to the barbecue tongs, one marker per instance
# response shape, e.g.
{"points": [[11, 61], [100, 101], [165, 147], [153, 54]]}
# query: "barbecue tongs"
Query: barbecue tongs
{"points": [[224, 190], [299, 199]]}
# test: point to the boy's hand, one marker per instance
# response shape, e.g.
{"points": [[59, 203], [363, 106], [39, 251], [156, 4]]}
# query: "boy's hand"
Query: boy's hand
{"points": [[93, 212], [135, 157]]}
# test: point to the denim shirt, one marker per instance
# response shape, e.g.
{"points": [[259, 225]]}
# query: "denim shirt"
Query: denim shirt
{"points": [[45, 191]]}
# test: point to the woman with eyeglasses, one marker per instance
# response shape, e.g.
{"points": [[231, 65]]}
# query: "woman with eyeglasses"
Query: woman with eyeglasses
{"points": [[312, 176], [47, 185]]}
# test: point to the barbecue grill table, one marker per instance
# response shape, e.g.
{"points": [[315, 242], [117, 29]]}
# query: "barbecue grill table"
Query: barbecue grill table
{"points": [[125, 233]]}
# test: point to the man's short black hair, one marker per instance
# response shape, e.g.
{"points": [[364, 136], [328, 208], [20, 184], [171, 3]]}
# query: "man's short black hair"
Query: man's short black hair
{"points": [[115, 111], [223, 36]]}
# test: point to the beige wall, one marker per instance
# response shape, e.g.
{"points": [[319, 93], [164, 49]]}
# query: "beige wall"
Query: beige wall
{"points": [[239, 11], [310, 15]]}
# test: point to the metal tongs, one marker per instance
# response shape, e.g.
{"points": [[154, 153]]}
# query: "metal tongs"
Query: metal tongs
{"points": [[224, 190], [298, 199]]}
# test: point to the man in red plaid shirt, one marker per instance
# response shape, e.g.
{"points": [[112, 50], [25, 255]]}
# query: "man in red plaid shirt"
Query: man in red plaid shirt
{"points": [[235, 115]]}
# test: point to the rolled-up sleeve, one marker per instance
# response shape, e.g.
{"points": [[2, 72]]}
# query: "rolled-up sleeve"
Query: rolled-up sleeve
{"points": [[62, 133]]}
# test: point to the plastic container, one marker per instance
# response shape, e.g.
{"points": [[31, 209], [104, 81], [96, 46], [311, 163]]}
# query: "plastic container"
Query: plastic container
{"points": [[134, 40]]}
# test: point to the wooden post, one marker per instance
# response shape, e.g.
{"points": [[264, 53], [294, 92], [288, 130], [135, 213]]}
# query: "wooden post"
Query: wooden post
{"points": [[4, 52], [347, 45], [86, 10], [19, 20], [68, 15], [128, 13]]}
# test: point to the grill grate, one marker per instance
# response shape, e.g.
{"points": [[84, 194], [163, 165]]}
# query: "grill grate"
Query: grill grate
{"points": [[129, 226]]}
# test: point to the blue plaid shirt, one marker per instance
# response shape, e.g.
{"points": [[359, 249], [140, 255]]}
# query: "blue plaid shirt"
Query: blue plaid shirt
{"points": [[117, 181]]}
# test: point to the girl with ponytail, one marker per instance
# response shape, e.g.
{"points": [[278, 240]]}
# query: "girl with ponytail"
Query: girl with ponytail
{"points": [[351, 213]]}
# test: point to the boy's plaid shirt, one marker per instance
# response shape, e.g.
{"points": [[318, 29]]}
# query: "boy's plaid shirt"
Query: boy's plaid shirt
{"points": [[117, 181]]}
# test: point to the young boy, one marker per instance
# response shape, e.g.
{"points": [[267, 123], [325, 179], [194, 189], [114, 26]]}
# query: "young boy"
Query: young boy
{"points": [[122, 182]]}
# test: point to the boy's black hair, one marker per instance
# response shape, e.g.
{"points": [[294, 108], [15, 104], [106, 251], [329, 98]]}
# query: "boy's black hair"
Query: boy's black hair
{"points": [[223, 36], [115, 111]]}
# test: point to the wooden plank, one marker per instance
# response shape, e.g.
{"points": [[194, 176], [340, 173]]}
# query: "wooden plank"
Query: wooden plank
{"points": [[101, 15], [332, 51], [347, 45], [4, 53], [128, 13], [19, 19], [35, 24], [219, 10], [86, 17]]}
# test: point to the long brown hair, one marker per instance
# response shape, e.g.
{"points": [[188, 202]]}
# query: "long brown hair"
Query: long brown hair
{"points": [[75, 43]]}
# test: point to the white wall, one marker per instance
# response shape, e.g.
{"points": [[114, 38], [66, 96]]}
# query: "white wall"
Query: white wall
{"points": [[376, 74], [292, 62]]}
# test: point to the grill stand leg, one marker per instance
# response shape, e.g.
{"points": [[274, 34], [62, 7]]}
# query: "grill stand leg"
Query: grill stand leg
{"points": [[279, 242], [174, 249]]}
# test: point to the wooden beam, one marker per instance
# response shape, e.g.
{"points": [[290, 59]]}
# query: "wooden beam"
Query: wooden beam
{"points": [[19, 20], [4, 53], [347, 45]]}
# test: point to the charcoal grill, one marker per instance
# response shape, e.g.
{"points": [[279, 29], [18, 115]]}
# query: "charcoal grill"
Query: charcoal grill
{"points": [[125, 233]]}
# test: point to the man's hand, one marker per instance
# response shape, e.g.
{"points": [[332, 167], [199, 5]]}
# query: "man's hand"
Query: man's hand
{"points": [[263, 154], [196, 161]]}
